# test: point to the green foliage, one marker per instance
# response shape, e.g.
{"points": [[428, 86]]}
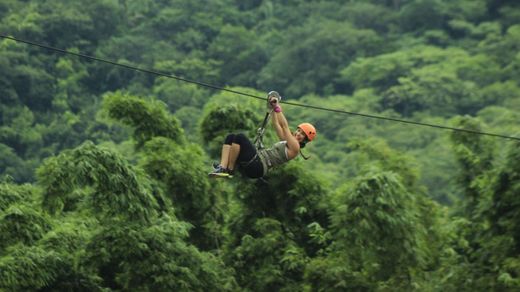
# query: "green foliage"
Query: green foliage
{"points": [[69, 88], [14, 166], [178, 95], [66, 23], [475, 156], [29, 268], [225, 114], [116, 188], [182, 171], [277, 229], [333, 274], [22, 224], [443, 89], [242, 52], [502, 48], [12, 194], [383, 231], [377, 240], [383, 71], [371, 16], [20, 133], [269, 259], [504, 217], [135, 256], [293, 195], [313, 55], [50, 265], [413, 15], [26, 81], [149, 119], [356, 217], [373, 154], [189, 123]]}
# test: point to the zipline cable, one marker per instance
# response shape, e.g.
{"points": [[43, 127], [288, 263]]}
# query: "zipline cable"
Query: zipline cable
{"points": [[254, 96], [128, 66]]}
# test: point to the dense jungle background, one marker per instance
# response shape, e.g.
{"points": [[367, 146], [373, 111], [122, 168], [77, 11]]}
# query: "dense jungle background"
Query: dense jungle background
{"points": [[103, 170]]}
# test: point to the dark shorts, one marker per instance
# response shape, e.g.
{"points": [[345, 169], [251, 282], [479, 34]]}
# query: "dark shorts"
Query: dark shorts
{"points": [[248, 161]]}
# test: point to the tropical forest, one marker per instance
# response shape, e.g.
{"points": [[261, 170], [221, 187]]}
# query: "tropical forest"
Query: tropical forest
{"points": [[114, 112]]}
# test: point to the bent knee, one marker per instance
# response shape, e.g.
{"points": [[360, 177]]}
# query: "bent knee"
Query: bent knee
{"points": [[240, 139], [229, 139]]}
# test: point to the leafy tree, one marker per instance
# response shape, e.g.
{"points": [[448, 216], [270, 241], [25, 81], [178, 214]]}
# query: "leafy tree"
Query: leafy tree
{"points": [[105, 215], [241, 53], [36, 253], [70, 87], [423, 15], [20, 133], [29, 268], [182, 171], [500, 119], [505, 11], [178, 95], [191, 68], [384, 70], [14, 166], [22, 224], [69, 22], [135, 256], [367, 15], [501, 243], [475, 156], [68, 241], [30, 83], [436, 89], [271, 236], [224, 114], [502, 47], [310, 66], [11, 194], [189, 123], [149, 119], [376, 237], [117, 189], [269, 259], [293, 196]]}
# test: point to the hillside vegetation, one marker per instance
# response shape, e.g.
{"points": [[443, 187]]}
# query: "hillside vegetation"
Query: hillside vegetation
{"points": [[103, 169]]}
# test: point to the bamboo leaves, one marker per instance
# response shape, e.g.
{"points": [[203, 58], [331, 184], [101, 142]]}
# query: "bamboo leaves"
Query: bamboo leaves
{"points": [[117, 188]]}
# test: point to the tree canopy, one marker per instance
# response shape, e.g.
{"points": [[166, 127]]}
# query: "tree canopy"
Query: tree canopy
{"points": [[103, 169]]}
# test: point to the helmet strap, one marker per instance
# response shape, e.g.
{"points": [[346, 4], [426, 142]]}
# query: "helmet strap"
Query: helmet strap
{"points": [[304, 142], [302, 145], [304, 157]]}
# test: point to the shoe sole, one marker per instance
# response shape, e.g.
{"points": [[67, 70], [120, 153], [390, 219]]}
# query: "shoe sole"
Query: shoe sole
{"points": [[219, 175]]}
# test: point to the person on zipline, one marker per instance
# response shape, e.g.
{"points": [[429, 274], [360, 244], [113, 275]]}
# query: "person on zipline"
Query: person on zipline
{"points": [[238, 149]]}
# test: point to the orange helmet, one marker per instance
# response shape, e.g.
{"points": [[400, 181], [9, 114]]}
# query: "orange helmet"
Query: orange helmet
{"points": [[309, 130]]}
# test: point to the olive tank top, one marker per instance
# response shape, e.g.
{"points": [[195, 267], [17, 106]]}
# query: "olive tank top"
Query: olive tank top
{"points": [[273, 156]]}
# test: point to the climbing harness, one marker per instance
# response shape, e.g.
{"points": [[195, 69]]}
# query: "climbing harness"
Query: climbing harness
{"points": [[260, 132]]}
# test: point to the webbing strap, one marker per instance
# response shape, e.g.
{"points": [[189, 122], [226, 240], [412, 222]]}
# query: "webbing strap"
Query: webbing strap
{"points": [[260, 133]]}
